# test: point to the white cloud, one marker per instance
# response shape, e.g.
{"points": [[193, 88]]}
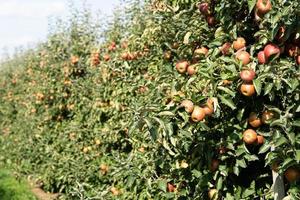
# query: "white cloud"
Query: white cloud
{"points": [[31, 8]]}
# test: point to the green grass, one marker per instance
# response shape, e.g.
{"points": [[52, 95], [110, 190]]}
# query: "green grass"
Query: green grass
{"points": [[12, 189]]}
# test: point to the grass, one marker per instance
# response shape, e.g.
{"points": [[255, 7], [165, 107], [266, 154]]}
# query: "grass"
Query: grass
{"points": [[12, 189]]}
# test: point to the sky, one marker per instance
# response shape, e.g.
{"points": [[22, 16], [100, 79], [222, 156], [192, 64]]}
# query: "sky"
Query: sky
{"points": [[25, 22]]}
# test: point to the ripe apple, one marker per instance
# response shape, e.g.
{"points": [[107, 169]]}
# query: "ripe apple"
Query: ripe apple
{"points": [[202, 51], [298, 60], [257, 16], [272, 51], [261, 57], [292, 174], [225, 48], [214, 165], [263, 6], [254, 120], [191, 70], [249, 136], [106, 57], [247, 75], [239, 43], [182, 66], [243, 56], [211, 21], [247, 89], [171, 187], [260, 139], [124, 56], [188, 105], [198, 114], [208, 110], [204, 8]]}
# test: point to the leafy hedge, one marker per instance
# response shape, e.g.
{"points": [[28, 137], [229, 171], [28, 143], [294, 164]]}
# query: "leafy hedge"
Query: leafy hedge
{"points": [[101, 114]]}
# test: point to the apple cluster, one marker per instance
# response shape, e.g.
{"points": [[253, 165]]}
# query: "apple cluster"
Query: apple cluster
{"points": [[198, 113]]}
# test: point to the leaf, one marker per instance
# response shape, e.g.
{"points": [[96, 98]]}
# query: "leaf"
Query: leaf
{"points": [[166, 113], [187, 37], [162, 185], [227, 102], [196, 173], [220, 183], [287, 163], [268, 88], [241, 163], [296, 123], [236, 170], [298, 156], [257, 85], [227, 90], [280, 141], [251, 4], [152, 130], [264, 148]]}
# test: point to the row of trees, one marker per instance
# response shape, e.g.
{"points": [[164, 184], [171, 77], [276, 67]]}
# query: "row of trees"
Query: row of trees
{"points": [[176, 99]]}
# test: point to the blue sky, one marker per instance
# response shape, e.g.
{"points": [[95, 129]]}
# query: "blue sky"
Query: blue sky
{"points": [[24, 22]]}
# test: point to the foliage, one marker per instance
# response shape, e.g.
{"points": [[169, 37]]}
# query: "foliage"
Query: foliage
{"points": [[11, 189], [101, 119]]}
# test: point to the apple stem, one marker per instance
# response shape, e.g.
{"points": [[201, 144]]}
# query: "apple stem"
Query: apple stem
{"points": [[278, 186]]}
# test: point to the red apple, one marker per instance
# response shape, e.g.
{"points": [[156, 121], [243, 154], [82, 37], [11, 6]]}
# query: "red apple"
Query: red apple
{"points": [[204, 8], [271, 51], [191, 70], [257, 16], [298, 60], [182, 66], [263, 6], [202, 51], [243, 56], [247, 75], [188, 105], [211, 21], [198, 114], [247, 89], [261, 57], [239, 43], [225, 48]]}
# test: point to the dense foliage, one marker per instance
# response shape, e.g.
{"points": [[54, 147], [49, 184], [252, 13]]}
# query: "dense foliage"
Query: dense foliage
{"points": [[175, 100]]}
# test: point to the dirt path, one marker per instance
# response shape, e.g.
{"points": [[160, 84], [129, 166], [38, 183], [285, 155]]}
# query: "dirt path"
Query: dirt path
{"points": [[41, 194]]}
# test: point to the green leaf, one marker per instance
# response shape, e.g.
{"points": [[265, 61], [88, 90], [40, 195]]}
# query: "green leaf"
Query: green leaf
{"points": [[241, 163], [251, 4], [280, 141], [264, 148], [287, 163], [227, 101], [220, 183], [257, 84], [268, 88], [162, 185], [166, 113], [227, 90], [296, 123], [298, 156]]}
